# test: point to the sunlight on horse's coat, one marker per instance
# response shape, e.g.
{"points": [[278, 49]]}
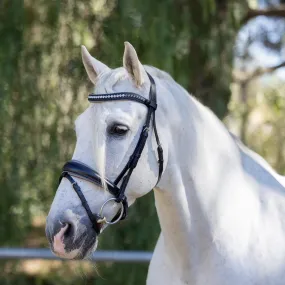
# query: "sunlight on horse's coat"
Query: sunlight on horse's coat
{"points": [[221, 207]]}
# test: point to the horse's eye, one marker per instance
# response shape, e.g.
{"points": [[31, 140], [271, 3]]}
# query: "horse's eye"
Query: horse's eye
{"points": [[118, 130]]}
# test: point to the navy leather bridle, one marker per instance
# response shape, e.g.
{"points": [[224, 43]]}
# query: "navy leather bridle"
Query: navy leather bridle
{"points": [[81, 170]]}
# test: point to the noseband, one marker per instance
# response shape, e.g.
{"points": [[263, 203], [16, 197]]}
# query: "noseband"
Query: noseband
{"points": [[81, 170]]}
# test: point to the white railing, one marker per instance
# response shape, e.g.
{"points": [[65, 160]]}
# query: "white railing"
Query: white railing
{"points": [[100, 255]]}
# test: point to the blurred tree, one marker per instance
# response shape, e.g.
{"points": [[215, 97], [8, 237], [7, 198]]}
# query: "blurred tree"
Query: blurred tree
{"points": [[263, 34], [265, 108], [191, 40]]}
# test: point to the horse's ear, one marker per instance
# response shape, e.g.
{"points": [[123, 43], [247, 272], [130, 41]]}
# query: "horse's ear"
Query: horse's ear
{"points": [[132, 64], [92, 66]]}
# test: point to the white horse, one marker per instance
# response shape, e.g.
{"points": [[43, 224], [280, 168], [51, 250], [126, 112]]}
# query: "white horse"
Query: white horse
{"points": [[221, 207]]}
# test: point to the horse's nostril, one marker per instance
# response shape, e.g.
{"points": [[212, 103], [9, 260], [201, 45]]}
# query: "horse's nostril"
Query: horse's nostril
{"points": [[68, 231], [58, 244], [70, 237]]}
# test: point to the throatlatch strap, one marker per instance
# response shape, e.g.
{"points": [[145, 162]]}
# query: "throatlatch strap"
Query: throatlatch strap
{"points": [[152, 95], [159, 150]]}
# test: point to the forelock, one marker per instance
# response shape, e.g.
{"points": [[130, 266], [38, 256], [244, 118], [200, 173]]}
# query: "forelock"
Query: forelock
{"points": [[107, 81]]}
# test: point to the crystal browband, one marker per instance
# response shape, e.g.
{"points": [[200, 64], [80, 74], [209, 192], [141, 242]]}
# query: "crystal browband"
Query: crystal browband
{"points": [[121, 96]]}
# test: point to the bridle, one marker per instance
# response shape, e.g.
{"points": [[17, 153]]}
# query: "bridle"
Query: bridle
{"points": [[81, 170]]}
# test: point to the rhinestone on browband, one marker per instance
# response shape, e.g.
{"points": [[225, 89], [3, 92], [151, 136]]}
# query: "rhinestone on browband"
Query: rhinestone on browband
{"points": [[119, 96]]}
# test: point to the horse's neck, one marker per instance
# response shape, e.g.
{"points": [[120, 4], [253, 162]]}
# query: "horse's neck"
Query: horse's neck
{"points": [[203, 186]]}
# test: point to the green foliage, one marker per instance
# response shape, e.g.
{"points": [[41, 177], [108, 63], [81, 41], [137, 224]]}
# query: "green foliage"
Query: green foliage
{"points": [[191, 40], [43, 89], [263, 125]]}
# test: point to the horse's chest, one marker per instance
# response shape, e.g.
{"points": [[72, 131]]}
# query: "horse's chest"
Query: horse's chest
{"points": [[213, 269]]}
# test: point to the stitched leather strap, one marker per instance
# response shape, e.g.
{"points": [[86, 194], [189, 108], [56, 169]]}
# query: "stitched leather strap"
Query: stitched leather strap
{"points": [[81, 170], [85, 205]]}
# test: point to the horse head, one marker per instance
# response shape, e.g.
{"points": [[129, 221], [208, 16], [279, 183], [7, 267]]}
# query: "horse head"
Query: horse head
{"points": [[115, 159]]}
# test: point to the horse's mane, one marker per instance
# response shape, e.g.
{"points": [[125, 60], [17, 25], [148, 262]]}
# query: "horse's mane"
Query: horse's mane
{"points": [[160, 74], [110, 79], [251, 159]]}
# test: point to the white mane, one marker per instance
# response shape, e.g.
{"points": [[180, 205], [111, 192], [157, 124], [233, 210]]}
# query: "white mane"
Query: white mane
{"points": [[251, 158], [106, 81], [160, 74]]}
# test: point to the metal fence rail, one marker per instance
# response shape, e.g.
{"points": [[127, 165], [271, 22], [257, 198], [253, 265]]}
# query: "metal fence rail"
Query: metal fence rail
{"points": [[100, 255]]}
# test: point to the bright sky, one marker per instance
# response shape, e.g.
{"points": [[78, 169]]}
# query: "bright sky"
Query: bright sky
{"points": [[262, 56]]}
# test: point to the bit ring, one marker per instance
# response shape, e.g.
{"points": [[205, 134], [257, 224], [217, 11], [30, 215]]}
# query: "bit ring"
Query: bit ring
{"points": [[103, 219]]}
